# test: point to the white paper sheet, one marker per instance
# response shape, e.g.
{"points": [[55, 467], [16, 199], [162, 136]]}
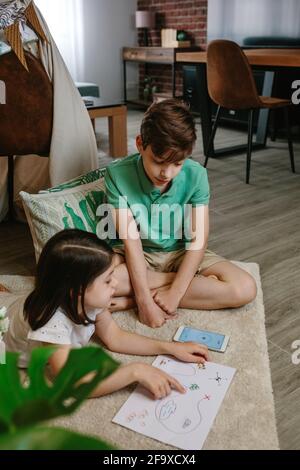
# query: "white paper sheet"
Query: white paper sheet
{"points": [[181, 420]]}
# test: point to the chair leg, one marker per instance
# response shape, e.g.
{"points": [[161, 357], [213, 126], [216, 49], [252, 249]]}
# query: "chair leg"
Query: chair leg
{"points": [[10, 187], [212, 135], [289, 137], [272, 125], [249, 148]]}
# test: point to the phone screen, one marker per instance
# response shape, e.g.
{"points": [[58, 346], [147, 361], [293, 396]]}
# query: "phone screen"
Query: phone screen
{"points": [[211, 340]]}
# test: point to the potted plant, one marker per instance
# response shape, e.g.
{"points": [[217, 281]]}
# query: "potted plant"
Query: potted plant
{"points": [[24, 408]]}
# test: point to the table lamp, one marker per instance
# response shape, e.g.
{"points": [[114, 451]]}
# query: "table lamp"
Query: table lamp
{"points": [[145, 20]]}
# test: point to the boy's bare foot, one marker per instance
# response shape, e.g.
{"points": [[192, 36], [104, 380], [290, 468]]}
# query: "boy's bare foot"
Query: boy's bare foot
{"points": [[121, 303], [212, 276], [3, 288]]}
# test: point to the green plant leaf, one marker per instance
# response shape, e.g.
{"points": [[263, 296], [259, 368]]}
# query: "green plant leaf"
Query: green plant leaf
{"points": [[24, 406], [50, 439]]}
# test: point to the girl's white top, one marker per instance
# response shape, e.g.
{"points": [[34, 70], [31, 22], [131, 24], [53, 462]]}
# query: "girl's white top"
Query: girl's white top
{"points": [[59, 330]]}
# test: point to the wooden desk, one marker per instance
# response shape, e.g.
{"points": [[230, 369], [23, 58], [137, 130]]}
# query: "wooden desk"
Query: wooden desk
{"points": [[270, 60], [153, 55], [117, 123], [259, 57]]}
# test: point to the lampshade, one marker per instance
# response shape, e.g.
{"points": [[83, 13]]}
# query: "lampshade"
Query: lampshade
{"points": [[144, 19]]}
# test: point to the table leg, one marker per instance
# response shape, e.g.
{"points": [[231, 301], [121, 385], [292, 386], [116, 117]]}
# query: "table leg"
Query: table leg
{"points": [[118, 134], [204, 106], [10, 187], [124, 81]]}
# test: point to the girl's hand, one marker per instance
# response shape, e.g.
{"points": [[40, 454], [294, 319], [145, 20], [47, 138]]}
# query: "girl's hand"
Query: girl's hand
{"points": [[156, 381], [189, 352]]}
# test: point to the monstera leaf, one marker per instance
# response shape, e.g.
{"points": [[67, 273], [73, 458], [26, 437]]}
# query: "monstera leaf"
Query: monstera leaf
{"points": [[50, 439], [38, 401]]}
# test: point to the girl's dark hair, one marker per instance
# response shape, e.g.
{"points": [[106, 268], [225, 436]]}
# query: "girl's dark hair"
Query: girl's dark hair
{"points": [[69, 263], [169, 128]]}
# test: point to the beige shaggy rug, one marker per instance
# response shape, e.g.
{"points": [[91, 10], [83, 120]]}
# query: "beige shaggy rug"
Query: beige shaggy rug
{"points": [[246, 419]]}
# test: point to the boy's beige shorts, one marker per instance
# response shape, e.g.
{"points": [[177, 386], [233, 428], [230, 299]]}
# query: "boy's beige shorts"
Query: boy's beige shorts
{"points": [[169, 261]]}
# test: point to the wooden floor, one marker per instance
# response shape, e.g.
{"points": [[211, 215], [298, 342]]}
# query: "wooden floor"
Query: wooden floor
{"points": [[259, 222]]}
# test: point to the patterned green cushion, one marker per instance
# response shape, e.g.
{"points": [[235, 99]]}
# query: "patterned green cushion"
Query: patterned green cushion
{"points": [[82, 179], [66, 206]]}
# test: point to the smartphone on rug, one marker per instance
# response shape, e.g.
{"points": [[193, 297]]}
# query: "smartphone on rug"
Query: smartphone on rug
{"points": [[214, 341]]}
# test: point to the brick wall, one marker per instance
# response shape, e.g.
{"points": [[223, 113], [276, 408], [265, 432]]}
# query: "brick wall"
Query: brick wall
{"points": [[187, 15]]}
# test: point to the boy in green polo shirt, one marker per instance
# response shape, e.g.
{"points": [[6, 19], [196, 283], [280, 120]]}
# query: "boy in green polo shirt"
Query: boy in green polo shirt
{"points": [[160, 200]]}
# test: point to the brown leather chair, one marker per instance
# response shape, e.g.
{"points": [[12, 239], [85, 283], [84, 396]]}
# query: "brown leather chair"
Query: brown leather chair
{"points": [[26, 118], [231, 85]]}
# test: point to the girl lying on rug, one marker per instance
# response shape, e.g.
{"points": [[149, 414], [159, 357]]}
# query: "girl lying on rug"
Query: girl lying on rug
{"points": [[73, 291]]}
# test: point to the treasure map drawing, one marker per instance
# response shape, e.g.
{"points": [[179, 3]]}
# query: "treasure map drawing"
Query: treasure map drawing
{"points": [[181, 420]]}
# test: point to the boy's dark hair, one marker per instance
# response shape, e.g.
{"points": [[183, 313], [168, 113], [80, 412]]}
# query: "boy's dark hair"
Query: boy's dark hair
{"points": [[169, 128], [69, 263]]}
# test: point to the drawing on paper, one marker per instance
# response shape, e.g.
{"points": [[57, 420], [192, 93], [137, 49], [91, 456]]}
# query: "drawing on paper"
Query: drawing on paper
{"points": [[182, 369], [163, 362], [167, 410], [182, 420], [218, 379], [176, 418], [194, 387], [139, 418]]}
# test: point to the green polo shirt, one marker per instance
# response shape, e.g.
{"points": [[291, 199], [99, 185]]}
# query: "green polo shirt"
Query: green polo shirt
{"points": [[161, 218]]}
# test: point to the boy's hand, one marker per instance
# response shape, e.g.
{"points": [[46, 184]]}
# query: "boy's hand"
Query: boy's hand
{"points": [[189, 352], [151, 314], [167, 301]]}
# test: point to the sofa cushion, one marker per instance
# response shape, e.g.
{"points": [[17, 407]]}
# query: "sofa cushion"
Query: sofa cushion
{"points": [[78, 181], [60, 208]]}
